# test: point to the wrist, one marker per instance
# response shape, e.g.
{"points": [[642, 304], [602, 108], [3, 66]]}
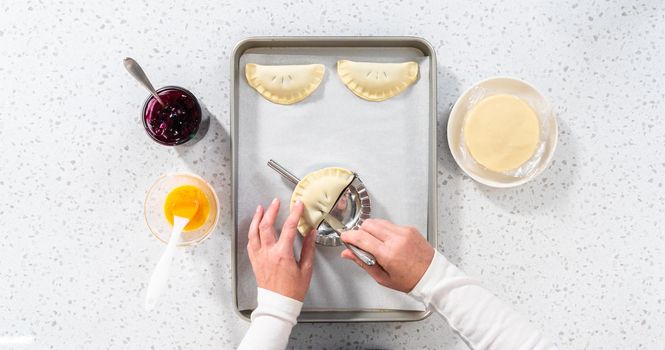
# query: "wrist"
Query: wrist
{"points": [[283, 290], [434, 272], [420, 268], [441, 273], [278, 305]]}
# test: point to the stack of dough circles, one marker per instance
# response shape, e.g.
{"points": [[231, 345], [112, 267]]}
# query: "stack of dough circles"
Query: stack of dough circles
{"points": [[501, 132], [319, 191]]}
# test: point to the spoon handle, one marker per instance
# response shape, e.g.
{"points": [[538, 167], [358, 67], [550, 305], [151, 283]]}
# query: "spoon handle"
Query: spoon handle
{"points": [[137, 72]]}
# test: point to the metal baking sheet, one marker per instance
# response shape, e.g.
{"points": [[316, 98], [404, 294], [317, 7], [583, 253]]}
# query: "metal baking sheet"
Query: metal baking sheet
{"points": [[254, 182]]}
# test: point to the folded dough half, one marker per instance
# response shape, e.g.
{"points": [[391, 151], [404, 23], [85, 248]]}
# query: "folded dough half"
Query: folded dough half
{"points": [[319, 191], [284, 84], [375, 81]]}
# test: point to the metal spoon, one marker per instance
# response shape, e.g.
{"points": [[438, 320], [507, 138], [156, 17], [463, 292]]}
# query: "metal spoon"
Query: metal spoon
{"points": [[135, 70]]}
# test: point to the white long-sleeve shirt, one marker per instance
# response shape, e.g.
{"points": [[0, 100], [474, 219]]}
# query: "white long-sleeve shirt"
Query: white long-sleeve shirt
{"points": [[479, 317]]}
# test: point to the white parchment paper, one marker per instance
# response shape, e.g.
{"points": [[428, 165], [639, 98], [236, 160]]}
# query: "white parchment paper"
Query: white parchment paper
{"points": [[386, 143]]}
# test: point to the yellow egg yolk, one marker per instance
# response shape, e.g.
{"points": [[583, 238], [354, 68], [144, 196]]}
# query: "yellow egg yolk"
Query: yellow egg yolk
{"points": [[184, 196]]}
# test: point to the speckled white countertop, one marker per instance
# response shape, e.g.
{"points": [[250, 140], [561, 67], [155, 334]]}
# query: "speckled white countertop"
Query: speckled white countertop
{"points": [[580, 250]]}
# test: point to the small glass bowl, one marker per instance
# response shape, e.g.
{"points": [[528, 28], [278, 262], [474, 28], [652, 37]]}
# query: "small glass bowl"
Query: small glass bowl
{"points": [[153, 208], [151, 104]]}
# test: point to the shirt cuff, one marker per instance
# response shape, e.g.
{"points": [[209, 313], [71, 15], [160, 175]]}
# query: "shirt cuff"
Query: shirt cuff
{"points": [[439, 270], [277, 305]]}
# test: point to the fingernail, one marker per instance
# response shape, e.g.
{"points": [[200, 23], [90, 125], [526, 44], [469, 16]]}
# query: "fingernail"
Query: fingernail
{"points": [[258, 208], [275, 200], [298, 202]]}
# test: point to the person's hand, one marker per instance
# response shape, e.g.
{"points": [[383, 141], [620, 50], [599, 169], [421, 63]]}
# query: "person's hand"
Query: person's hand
{"points": [[402, 254], [273, 260]]}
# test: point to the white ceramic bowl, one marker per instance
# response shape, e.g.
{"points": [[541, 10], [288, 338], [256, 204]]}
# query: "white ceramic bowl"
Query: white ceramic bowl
{"points": [[492, 86]]}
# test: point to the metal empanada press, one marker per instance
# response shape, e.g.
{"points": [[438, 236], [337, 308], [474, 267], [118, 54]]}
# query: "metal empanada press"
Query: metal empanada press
{"points": [[351, 208]]}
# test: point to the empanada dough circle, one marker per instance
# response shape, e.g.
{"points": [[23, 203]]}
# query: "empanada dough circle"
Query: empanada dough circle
{"points": [[375, 81], [319, 191], [284, 84], [501, 132]]}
